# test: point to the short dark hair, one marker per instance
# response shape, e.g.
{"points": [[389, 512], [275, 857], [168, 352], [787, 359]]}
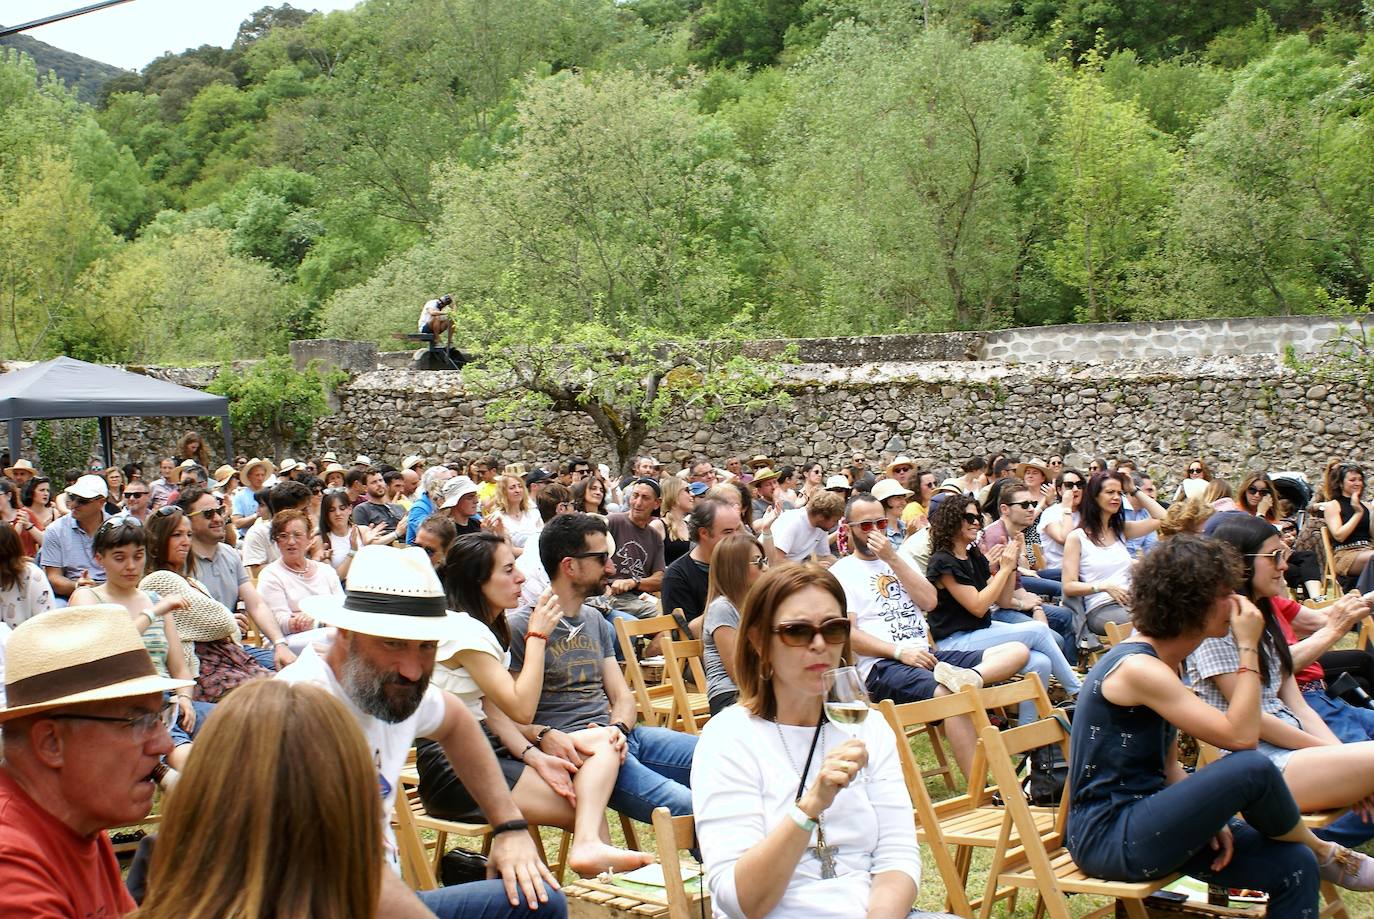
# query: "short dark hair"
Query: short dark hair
{"points": [[287, 495], [190, 495], [468, 565], [566, 535], [197, 471], [117, 532], [548, 499], [575, 462], [390, 476], [355, 476], [1176, 583], [862, 497], [973, 464], [703, 516]]}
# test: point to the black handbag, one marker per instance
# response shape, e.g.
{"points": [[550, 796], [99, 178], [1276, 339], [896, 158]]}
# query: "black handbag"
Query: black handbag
{"points": [[459, 866]]}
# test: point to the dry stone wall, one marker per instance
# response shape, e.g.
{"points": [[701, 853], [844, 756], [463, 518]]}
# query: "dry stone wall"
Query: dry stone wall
{"points": [[1161, 393]]}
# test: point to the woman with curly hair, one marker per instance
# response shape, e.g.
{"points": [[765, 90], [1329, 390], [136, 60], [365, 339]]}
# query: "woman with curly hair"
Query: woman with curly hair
{"points": [[1134, 814], [969, 594], [514, 509], [1187, 516], [1258, 497], [1194, 484]]}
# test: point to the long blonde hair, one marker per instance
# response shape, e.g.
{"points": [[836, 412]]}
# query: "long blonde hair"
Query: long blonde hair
{"points": [[277, 814], [675, 528], [502, 501]]}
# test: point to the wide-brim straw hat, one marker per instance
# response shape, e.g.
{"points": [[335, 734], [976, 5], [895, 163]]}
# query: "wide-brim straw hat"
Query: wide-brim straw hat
{"points": [[252, 464], [75, 655], [1033, 463], [890, 488], [22, 465], [223, 474], [289, 465], [333, 467], [902, 460], [758, 460], [410, 462], [392, 593], [765, 475]]}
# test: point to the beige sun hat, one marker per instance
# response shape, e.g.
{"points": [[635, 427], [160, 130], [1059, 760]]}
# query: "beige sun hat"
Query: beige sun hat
{"points": [[765, 474], [392, 593], [253, 463], [289, 465], [223, 474], [1033, 463], [759, 459], [333, 467], [890, 488], [21, 465], [902, 460], [410, 462], [77, 654]]}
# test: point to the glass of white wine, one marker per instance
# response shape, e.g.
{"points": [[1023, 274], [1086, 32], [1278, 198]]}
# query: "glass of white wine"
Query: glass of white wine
{"points": [[846, 699]]}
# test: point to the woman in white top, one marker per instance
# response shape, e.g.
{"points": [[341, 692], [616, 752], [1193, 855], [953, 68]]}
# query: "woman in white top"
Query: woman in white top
{"points": [[284, 583], [342, 538], [794, 817], [1060, 519], [24, 589], [515, 511], [1097, 563], [567, 786]]}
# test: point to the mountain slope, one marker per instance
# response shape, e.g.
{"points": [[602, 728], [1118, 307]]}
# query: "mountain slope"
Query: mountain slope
{"points": [[84, 75]]}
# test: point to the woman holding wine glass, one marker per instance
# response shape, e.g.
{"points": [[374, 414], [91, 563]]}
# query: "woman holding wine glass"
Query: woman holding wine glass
{"points": [[785, 826]]}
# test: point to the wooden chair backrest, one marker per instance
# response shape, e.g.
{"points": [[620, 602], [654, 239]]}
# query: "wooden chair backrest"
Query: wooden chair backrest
{"points": [[675, 834], [626, 631], [1005, 695], [415, 864], [683, 717], [1000, 748], [1117, 633], [901, 718], [1331, 583]]}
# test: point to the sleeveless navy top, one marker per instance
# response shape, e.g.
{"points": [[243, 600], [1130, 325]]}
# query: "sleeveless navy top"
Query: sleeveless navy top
{"points": [[1116, 757]]}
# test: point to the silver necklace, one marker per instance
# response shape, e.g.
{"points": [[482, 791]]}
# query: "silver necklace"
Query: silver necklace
{"points": [[821, 851]]}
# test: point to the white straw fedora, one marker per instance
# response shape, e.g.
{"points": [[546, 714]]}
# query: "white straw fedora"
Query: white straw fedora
{"points": [[78, 654], [392, 593]]}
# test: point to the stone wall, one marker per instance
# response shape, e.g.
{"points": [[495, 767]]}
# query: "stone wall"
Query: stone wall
{"points": [[1238, 412], [1161, 393]]}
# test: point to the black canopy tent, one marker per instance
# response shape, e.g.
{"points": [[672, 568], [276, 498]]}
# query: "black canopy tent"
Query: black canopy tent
{"points": [[67, 388]]}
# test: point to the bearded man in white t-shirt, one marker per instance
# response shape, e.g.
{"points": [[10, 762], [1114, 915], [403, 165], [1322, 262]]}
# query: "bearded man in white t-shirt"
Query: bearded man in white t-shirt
{"points": [[390, 623], [891, 639]]}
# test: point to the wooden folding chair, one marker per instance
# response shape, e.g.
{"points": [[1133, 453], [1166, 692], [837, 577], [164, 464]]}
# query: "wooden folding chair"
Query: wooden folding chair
{"points": [[689, 710], [971, 820], [1116, 634], [594, 898], [1333, 585], [655, 703], [1038, 861]]}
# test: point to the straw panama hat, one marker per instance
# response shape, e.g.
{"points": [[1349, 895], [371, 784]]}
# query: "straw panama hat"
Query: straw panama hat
{"points": [[21, 465], [289, 465], [890, 488], [254, 462], [902, 460], [392, 593], [333, 467], [758, 459], [1033, 463], [223, 474], [765, 474], [410, 462], [77, 654]]}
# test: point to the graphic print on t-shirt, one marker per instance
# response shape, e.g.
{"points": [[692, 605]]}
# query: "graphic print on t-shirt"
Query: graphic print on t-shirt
{"points": [[904, 620]]}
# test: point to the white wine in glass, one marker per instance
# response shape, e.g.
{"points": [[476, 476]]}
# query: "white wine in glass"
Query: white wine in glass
{"points": [[846, 699]]}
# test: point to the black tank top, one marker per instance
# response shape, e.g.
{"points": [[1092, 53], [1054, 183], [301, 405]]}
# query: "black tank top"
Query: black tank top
{"points": [[1359, 535]]}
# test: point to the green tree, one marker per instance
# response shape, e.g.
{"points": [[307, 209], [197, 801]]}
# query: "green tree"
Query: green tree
{"points": [[750, 32], [274, 397], [1113, 175]]}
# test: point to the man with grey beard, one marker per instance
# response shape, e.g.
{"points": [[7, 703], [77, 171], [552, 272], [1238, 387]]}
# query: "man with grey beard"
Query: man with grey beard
{"points": [[390, 624]]}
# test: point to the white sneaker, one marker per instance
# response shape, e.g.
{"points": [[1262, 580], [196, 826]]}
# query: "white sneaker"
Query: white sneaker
{"points": [[956, 678]]}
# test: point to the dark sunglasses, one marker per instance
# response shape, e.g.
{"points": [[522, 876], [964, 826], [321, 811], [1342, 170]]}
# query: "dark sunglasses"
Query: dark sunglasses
{"points": [[1026, 505], [1071, 485], [1258, 492], [1195, 472], [974, 519], [599, 556], [208, 512], [801, 634], [136, 494], [82, 502]]}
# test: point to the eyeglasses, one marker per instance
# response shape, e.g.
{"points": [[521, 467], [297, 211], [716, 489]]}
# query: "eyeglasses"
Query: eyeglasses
{"points": [[144, 726], [566, 506], [601, 557], [1025, 505], [208, 512], [973, 520], [136, 494], [801, 634], [759, 562], [869, 525], [1055, 463], [1195, 471], [1258, 492], [1278, 556], [1071, 485]]}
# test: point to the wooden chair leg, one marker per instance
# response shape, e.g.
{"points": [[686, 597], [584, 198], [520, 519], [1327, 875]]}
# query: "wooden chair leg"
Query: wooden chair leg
{"points": [[627, 826], [1135, 909], [1335, 906], [439, 853]]}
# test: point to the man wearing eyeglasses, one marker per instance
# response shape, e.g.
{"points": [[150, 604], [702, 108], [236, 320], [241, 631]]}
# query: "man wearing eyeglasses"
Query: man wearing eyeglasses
{"points": [[68, 556], [885, 594], [220, 568], [84, 730], [1017, 508], [584, 687]]}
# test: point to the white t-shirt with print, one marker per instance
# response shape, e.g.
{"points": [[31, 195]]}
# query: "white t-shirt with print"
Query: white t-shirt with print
{"points": [[388, 744], [881, 606]]}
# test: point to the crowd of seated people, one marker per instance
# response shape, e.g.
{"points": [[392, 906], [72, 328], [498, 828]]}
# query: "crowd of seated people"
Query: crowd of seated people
{"points": [[465, 611]]}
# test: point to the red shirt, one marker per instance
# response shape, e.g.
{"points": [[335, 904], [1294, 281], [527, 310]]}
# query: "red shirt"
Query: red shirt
{"points": [[47, 871], [1285, 611]]}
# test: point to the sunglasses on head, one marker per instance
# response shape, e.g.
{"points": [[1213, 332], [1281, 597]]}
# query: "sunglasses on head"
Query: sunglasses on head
{"points": [[801, 634], [115, 523], [167, 510]]}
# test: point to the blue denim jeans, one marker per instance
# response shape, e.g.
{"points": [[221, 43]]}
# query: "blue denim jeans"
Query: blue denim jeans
{"points": [[1171, 830], [1352, 725], [265, 656], [1060, 621], [182, 736], [487, 900], [1045, 656], [1045, 587], [657, 772]]}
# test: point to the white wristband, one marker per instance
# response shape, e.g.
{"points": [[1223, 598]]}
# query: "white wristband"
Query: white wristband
{"points": [[800, 819]]}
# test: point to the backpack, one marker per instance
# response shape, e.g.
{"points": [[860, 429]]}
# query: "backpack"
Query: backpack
{"points": [[1049, 770]]}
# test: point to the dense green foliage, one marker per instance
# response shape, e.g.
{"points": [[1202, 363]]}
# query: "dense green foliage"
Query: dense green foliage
{"points": [[85, 76], [674, 169]]}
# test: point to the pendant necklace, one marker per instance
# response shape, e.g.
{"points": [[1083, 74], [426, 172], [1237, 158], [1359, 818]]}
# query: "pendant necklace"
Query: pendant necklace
{"points": [[821, 851]]}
